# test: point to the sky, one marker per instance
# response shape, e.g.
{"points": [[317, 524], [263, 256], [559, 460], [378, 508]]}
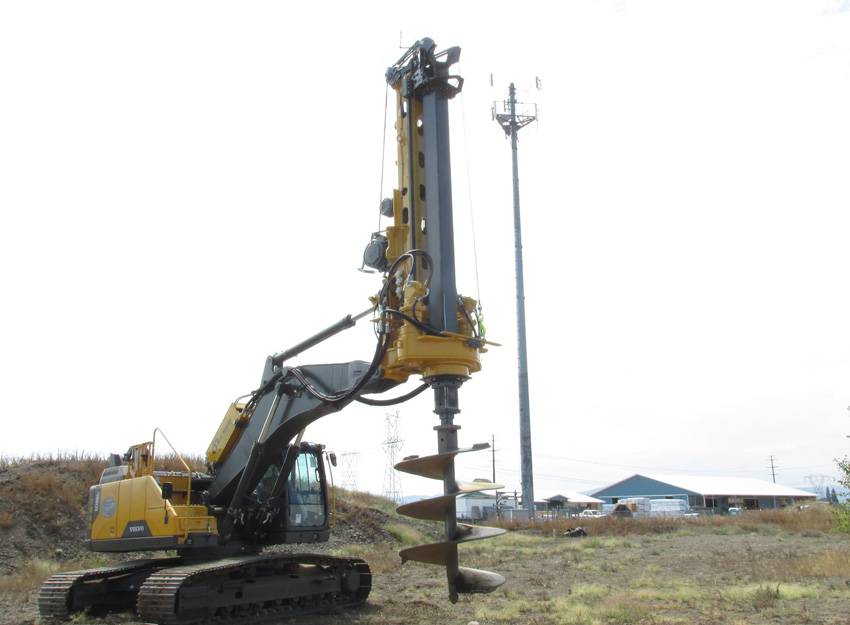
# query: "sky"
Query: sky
{"points": [[188, 187]]}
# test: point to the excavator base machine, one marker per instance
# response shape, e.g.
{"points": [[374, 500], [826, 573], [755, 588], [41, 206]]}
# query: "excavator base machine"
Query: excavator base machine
{"points": [[265, 485]]}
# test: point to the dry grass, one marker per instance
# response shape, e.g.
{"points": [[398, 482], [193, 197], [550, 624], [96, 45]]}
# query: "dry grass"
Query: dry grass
{"points": [[170, 462], [381, 558], [776, 566], [811, 520], [366, 500], [828, 565], [44, 484], [28, 578], [31, 575], [63, 457], [759, 574], [62, 481], [406, 535]]}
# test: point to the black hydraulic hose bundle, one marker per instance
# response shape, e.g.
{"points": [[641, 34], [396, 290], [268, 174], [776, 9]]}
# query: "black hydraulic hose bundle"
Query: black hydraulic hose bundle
{"points": [[395, 400], [380, 352], [377, 358]]}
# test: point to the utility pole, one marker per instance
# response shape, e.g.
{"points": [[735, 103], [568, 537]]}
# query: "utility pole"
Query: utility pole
{"points": [[511, 122], [493, 448], [772, 468]]}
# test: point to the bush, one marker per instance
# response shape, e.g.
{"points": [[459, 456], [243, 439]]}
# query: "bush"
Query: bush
{"points": [[842, 511], [811, 520]]}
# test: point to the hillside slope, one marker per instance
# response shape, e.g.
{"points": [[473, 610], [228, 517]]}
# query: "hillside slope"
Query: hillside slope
{"points": [[43, 508], [43, 527]]}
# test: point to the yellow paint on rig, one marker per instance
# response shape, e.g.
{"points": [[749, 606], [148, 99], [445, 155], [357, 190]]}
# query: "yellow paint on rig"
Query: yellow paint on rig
{"points": [[228, 434], [398, 234], [408, 202], [140, 460], [135, 506], [412, 351]]}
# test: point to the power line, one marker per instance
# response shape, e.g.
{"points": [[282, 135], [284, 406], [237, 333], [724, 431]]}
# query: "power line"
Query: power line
{"points": [[749, 469]]}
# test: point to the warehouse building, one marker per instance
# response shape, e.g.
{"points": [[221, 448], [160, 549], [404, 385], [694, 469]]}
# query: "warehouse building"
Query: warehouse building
{"points": [[711, 494]]}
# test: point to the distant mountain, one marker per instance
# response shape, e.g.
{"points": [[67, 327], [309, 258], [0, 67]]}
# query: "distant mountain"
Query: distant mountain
{"points": [[411, 498]]}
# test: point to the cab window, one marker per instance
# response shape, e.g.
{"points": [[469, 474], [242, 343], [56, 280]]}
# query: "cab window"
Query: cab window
{"points": [[306, 503]]}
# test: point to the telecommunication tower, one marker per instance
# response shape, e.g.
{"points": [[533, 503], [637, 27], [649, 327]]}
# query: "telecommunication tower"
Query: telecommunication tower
{"points": [[512, 116], [392, 447]]}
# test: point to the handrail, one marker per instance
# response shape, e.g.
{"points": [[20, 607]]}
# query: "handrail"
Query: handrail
{"points": [[330, 472], [189, 480]]}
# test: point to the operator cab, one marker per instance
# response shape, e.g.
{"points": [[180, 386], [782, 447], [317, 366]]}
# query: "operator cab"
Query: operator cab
{"points": [[303, 513]]}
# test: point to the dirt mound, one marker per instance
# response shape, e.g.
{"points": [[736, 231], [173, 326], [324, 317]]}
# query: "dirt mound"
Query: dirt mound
{"points": [[43, 509]]}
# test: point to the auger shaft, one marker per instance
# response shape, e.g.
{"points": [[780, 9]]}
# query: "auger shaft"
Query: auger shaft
{"points": [[446, 407]]}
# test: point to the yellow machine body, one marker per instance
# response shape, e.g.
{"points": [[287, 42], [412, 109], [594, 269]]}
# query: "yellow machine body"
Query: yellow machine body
{"points": [[151, 509], [228, 434], [134, 508]]}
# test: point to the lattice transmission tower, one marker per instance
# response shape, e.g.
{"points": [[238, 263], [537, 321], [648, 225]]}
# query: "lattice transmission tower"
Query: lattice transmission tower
{"points": [[818, 482], [350, 460], [392, 447]]}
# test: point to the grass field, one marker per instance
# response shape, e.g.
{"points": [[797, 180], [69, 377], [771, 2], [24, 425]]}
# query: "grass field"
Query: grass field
{"points": [[783, 567], [771, 567]]}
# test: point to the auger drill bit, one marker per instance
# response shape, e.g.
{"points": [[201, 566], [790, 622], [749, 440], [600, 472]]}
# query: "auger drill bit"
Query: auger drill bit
{"points": [[461, 580]]}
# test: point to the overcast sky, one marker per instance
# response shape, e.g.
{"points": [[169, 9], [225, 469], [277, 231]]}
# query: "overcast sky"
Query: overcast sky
{"points": [[188, 187]]}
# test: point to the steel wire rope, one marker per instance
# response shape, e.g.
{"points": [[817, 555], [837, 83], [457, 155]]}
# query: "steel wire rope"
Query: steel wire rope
{"points": [[383, 338], [471, 207], [383, 151]]}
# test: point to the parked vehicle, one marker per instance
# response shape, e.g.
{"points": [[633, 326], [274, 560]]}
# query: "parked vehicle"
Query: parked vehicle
{"points": [[622, 511]]}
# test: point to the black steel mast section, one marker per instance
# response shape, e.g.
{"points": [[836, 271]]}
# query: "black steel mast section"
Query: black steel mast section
{"points": [[424, 70]]}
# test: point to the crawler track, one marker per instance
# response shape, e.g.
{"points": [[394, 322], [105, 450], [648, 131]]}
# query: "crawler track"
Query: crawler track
{"points": [[102, 589], [233, 591], [252, 589]]}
